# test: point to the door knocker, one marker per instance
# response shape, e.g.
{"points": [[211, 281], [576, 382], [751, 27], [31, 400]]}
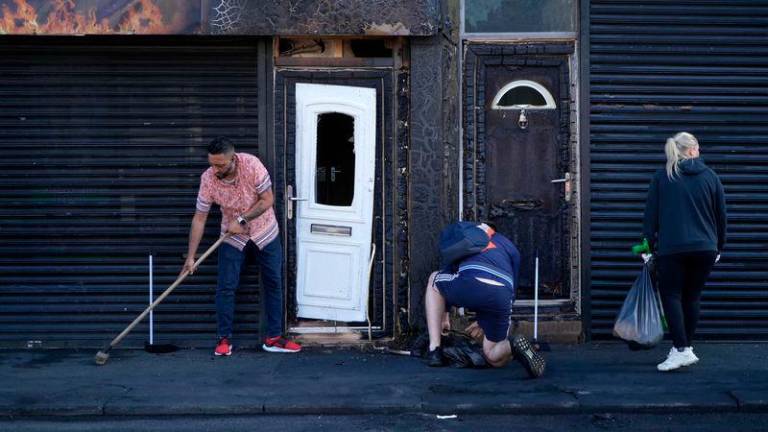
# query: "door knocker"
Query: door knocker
{"points": [[522, 121]]}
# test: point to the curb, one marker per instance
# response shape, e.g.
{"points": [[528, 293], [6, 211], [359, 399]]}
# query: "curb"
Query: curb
{"points": [[330, 407]]}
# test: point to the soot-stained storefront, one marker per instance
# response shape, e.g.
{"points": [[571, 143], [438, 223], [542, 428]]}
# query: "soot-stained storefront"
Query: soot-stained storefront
{"points": [[104, 134], [380, 122]]}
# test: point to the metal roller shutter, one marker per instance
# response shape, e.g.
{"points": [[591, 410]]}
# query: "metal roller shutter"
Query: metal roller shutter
{"points": [[102, 143], [659, 67]]}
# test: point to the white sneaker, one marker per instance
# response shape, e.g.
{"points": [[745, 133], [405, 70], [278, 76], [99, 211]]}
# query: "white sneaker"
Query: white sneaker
{"points": [[677, 359], [695, 357]]}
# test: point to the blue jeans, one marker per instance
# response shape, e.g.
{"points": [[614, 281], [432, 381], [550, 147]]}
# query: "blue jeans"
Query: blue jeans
{"points": [[231, 260]]}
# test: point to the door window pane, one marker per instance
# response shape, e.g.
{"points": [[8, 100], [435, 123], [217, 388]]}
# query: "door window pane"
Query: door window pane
{"points": [[335, 170], [519, 16], [523, 94]]}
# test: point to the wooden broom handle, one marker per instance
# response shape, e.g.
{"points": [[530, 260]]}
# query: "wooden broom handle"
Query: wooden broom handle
{"points": [[168, 291]]}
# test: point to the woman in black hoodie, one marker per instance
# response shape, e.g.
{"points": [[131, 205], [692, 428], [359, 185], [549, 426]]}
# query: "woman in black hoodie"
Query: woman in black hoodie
{"points": [[685, 224]]}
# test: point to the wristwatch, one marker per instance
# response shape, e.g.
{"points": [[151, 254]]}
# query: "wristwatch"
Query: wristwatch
{"points": [[241, 220]]}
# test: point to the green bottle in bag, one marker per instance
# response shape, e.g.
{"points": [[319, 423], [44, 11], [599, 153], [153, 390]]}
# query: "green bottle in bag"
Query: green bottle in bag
{"points": [[641, 248]]}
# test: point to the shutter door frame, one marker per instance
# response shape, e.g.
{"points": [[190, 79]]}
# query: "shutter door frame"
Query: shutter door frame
{"points": [[104, 142], [650, 78]]}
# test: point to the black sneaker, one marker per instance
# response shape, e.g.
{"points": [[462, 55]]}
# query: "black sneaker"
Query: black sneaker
{"points": [[532, 361], [435, 358]]}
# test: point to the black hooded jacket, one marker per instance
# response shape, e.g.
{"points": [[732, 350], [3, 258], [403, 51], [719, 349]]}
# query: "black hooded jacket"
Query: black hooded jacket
{"points": [[685, 214]]}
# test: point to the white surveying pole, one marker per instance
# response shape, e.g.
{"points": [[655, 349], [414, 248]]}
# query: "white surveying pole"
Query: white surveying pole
{"points": [[151, 299], [536, 300]]}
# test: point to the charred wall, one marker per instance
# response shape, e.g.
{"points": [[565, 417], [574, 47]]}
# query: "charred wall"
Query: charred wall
{"points": [[220, 17], [433, 153], [323, 17]]}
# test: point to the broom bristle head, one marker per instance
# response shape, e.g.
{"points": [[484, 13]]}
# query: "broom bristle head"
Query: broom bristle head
{"points": [[101, 358]]}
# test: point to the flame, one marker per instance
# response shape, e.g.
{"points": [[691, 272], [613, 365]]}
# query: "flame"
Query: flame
{"points": [[63, 19], [22, 21], [144, 17], [139, 17]]}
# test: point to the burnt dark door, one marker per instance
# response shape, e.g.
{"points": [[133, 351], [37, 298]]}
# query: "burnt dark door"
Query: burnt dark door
{"points": [[520, 157]]}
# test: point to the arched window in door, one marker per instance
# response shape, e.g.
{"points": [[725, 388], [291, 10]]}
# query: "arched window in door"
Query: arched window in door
{"points": [[523, 94]]}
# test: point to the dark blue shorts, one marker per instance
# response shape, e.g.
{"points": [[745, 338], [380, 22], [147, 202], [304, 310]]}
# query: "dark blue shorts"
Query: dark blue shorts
{"points": [[490, 297]]}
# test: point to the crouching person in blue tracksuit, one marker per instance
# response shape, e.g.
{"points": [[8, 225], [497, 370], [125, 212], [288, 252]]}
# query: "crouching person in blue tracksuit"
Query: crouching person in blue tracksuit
{"points": [[485, 283]]}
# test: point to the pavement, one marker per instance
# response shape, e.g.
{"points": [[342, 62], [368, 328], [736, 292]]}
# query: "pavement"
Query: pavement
{"points": [[588, 378]]}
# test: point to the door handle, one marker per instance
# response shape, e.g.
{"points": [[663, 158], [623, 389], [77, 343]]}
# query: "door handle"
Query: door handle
{"points": [[289, 200], [334, 171], [568, 186]]}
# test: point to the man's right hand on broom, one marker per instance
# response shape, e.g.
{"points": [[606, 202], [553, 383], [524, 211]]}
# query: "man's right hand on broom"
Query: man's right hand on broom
{"points": [[195, 234], [189, 265]]}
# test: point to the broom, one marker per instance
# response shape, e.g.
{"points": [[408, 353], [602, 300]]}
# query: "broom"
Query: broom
{"points": [[103, 355]]}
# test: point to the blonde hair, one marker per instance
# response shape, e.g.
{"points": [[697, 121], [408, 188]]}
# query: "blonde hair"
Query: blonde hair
{"points": [[676, 151]]}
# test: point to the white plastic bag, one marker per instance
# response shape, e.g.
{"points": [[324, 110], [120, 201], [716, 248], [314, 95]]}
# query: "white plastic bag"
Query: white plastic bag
{"points": [[639, 321]]}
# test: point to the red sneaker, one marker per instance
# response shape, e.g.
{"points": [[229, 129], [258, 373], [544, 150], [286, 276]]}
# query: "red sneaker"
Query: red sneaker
{"points": [[223, 348], [280, 344]]}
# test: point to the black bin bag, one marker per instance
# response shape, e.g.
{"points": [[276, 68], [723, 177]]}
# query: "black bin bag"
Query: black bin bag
{"points": [[640, 321]]}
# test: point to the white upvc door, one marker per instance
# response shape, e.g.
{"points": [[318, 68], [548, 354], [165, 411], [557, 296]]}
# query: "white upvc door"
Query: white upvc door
{"points": [[335, 167]]}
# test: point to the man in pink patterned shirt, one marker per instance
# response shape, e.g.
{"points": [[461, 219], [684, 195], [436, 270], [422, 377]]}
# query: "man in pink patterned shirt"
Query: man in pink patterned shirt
{"points": [[240, 185]]}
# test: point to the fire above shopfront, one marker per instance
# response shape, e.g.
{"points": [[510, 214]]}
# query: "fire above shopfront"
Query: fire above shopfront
{"points": [[98, 17]]}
